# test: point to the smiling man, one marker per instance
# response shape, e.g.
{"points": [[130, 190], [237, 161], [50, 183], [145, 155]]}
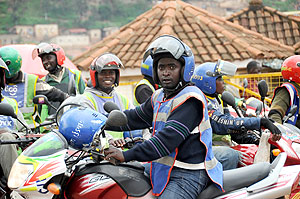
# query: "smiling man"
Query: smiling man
{"points": [[105, 76]]}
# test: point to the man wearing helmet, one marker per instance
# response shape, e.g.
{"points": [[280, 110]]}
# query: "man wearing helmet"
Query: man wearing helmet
{"points": [[208, 78], [287, 95], [144, 88], [23, 87], [105, 76], [8, 128], [180, 147], [65, 79]]}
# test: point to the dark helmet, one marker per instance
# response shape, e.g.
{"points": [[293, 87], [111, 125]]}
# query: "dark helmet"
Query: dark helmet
{"points": [[105, 61], [45, 48], [174, 46]]}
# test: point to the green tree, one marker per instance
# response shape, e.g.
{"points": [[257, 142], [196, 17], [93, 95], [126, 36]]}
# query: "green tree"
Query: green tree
{"points": [[288, 5]]}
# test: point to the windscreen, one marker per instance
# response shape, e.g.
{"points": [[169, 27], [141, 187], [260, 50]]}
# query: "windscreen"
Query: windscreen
{"points": [[49, 144]]}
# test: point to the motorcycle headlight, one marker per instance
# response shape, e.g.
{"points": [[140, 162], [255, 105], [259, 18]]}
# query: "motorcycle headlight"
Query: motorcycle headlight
{"points": [[18, 174]]}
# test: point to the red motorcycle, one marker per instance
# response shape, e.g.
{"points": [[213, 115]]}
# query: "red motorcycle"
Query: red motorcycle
{"points": [[289, 143], [50, 168]]}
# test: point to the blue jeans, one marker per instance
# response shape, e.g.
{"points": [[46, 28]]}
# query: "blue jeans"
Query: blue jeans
{"points": [[183, 183], [228, 157]]}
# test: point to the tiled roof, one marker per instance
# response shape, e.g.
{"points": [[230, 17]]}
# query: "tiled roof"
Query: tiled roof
{"points": [[210, 37], [269, 22]]}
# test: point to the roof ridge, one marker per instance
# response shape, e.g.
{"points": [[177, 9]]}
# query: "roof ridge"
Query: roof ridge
{"points": [[231, 37], [235, 38], [168, 17], [281, 13]]}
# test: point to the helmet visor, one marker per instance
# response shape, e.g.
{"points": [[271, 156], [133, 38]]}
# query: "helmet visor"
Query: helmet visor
{"points": [[45, 48], [107, 61], [170, 44], [3, 65], [225, 68]]}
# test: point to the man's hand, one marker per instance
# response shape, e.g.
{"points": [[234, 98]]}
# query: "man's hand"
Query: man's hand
{"points": [[115, 153], [276, 133], [116, 143]]}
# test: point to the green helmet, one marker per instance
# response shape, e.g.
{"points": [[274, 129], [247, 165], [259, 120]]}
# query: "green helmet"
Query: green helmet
{"points": [[12, 59]]}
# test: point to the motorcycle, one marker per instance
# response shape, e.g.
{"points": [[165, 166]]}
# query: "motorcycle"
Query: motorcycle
{"points": [[25, 137], [289, 143], [46, 169]]}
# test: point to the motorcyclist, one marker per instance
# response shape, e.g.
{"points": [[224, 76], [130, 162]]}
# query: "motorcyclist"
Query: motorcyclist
{"points": [[105, 76], [146, 87], [23, 87], [63, 78], [208, 77], [181, 144], [8, 128], [287, 95]]}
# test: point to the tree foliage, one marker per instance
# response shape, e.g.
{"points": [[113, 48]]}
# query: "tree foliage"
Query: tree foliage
{"points": [[283, 6], [70, 14]]}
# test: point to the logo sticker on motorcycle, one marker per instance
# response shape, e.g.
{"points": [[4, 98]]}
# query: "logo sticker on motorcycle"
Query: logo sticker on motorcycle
{"points": [[76, 132]]}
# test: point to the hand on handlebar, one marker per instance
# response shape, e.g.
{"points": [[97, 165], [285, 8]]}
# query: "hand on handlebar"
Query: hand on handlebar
{"points": [[112, 154], [117, 143], [268, 124]]}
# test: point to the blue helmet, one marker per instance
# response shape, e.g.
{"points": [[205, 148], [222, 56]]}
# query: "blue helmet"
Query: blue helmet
{"points": [[146, 67], [79, 125], [203, 79], [179, 50], [205, 75]]}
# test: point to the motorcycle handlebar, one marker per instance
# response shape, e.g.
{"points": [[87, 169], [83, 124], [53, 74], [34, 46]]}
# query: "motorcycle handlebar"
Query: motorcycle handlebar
{"points": [[16, 141]]}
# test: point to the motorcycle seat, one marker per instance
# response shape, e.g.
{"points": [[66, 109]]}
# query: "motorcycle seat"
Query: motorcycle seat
{"points": [[129, 176], [238, 178]]}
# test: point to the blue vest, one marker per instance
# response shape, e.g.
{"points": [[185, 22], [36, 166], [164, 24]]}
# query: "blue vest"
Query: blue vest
{"points": [[23, 93], [161, 168], [17, 92], [294, 100]]}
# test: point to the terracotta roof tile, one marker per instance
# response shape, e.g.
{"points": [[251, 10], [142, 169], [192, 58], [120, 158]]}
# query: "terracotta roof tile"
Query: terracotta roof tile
{"points": [[269, 22], [210, 37]]}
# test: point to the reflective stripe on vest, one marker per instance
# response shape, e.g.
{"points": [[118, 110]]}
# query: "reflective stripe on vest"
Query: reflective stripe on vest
{"points": [[294, 100], [161, 168], [143, 81], [98, 101]]}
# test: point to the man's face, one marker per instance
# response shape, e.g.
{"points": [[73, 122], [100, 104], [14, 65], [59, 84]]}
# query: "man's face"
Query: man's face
{"points": [[49, 62], [107, 78], [169, 72], [220, 87]]}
